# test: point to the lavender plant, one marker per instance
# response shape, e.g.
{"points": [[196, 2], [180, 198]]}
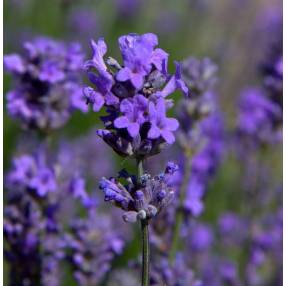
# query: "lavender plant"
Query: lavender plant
{"points": [[200, 139], [47, 83], [136, 125]]}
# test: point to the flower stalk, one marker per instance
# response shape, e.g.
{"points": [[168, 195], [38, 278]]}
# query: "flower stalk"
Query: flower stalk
{"points": [[145, 239]]}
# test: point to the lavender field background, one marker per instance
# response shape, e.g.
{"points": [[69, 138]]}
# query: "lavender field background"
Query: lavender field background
{"points": [[228, 148]]}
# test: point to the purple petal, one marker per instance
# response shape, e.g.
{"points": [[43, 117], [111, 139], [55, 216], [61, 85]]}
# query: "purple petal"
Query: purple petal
{"points": [[168, 136], [126, 106], [154, 132], [172, 124], [161, 108], [137, 80], [133, 129], [169, 88], [111, 99], [95, 98], [124, 74], [99, 50], [159, 59], [14, 63], [121, 122]]}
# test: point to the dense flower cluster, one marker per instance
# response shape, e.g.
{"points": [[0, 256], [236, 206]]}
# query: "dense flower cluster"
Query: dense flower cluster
{"points": [[259, 117], [92, 245], [47, 83], [212, 254], [38, 210], [30, 222], [205, 162], [176, 274], [201, 135], [272, 66], [141, 198], [32, 173], [134, 95], [260, 108]]}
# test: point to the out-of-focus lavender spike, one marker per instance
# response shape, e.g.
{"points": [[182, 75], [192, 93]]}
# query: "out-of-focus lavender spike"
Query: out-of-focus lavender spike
{"points": [[47, 76]]}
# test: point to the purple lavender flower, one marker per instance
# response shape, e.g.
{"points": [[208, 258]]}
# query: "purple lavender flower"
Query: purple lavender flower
{"points": [[47, 83], [133, 95], [91, 247], [259, 117], [22, 225], [33, 226], [205, 162], [201, 237], [133, 110], [31, 173], [160, 124], [140, 198], [178, 273], [199, 75]]}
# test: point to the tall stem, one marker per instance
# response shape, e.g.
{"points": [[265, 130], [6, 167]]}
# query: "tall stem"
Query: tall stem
{"points": [[145, 253], [145, 239], [179, 212]]}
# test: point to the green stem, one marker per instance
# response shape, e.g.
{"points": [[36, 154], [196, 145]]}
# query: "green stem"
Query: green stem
{"points": [[145, 253], [179, 212], [145, 239], [140, 168]]}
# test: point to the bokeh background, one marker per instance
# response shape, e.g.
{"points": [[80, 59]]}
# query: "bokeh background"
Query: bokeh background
{"points": [[233, 33]]}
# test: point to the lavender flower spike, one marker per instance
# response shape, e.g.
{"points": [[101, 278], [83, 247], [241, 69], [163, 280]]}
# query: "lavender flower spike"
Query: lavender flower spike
{"points": [[132, 93], [141, 198], [47, 83]]}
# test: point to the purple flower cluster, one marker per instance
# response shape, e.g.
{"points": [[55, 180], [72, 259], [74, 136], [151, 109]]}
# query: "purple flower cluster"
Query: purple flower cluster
{"points": [[201, 135], [33, 227], [31, 173], [272, 65], [141, 198], [134, 95], [176, 274], [91, 245], [22, 227], [259, 117], [47, 83], [205, 161], [199, 75]]}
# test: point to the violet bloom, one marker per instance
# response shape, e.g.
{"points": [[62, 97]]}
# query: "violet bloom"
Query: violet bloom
{"points": [[36, 189], [199, 75], [141, 198], [205, 161], [176, 274], [160, 124], [259, 117], [33, 174], [133, 110], [47, 83], [22, 226], [132, 93], [91, 246]]}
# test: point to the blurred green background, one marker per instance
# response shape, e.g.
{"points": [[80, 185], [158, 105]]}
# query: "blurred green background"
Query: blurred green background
{"points": [[228, 31]]}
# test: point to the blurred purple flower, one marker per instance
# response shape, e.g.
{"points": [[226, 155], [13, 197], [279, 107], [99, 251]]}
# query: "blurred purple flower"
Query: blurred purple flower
{"points": [[47, 83]]}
